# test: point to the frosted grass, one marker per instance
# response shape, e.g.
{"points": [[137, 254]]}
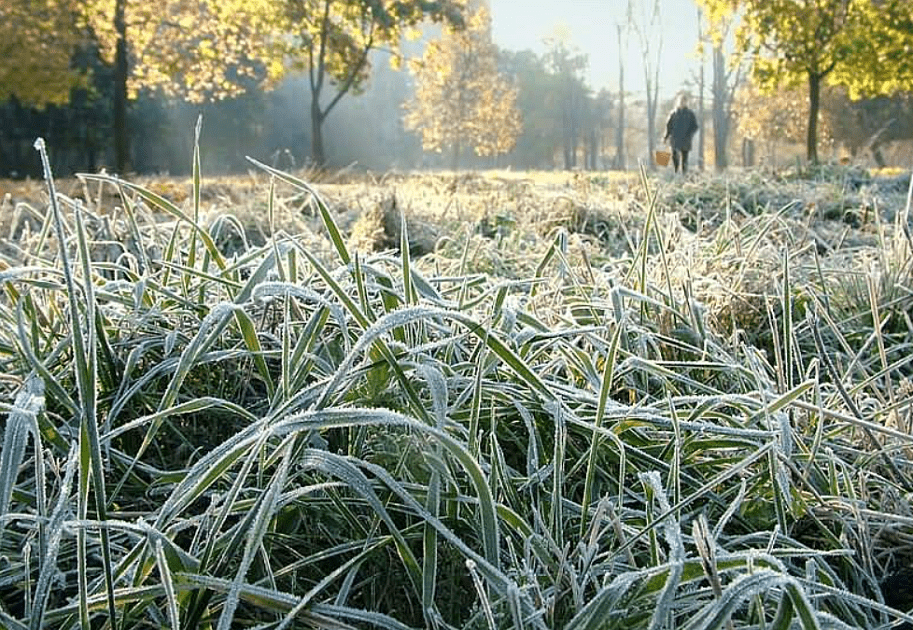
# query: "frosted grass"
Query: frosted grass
{"points": [[367, 441]]}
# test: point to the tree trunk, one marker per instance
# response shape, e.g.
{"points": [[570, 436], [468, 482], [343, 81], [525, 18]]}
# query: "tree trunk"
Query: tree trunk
{"points": [[457, 150], [700, 117], [720, 110], [620, 130], [574, 141], [317, 117], [747, 152], [121, 71], [700, 98], [594, 151], [814, 103], [651, 66]]}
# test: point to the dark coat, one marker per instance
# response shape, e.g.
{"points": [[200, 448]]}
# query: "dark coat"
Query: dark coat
{"points": [[681, 127]]}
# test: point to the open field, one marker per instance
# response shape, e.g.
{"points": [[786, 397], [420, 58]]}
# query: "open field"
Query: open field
{"points": [[584, 401]]}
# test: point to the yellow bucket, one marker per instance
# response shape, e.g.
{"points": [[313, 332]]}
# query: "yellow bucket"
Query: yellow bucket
{"points": [[662, 157]]}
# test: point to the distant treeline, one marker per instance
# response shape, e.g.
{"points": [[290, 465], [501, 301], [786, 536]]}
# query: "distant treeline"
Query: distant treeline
{"points": [[109, 84], [564, 125], [265, 125]]}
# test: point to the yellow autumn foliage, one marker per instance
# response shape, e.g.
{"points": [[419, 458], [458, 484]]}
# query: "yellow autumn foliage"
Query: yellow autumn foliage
{"points": [[37, 43], [462, 101]]}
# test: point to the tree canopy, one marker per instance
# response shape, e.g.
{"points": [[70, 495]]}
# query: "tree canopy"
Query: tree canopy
{"points": [[37, 44], [203, 50], [796, 42], [566, 65], [462, 101], [197, 49], [881, 59], [331, 40]]}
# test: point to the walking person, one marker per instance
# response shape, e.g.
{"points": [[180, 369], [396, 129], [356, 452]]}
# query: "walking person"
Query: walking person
{"points": [[680, 129]]}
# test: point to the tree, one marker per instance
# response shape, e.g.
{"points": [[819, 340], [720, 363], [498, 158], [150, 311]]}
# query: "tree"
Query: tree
{"points": [[558, 115], [622, 31], [461, 98], [200, 50], [37, 45], [566, 64], [648, 26], [207, 50], [881, 59], [868, 124], [861, 125], [726, 79], [810, 41], [771, 119], [540, 110], [46, 61], [601, 124], [331, 40]]}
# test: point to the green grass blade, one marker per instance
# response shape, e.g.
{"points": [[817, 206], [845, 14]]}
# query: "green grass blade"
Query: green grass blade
{"points": [[28, 405], [84, 349], [49, 567], [327, 418], [263, 513], [608, 376], [330, 224], [168, 207], [714, 615], [171, 600], [252, 342]]}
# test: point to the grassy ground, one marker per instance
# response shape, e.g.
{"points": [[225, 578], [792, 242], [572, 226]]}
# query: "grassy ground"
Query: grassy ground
{"points": [[584, 401]]}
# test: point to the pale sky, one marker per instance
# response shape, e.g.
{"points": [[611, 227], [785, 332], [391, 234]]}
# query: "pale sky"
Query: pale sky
{"points": [[523, 24]]}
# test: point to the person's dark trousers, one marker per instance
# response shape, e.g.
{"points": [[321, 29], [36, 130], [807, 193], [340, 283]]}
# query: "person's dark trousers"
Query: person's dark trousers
{"points": [[680, 156]]}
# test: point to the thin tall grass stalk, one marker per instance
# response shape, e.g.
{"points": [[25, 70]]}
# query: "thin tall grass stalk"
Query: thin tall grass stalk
{"points": [[84, 348]]}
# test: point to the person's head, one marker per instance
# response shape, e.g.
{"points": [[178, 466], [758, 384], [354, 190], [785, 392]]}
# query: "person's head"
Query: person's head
{"points": [[682, 100]]}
